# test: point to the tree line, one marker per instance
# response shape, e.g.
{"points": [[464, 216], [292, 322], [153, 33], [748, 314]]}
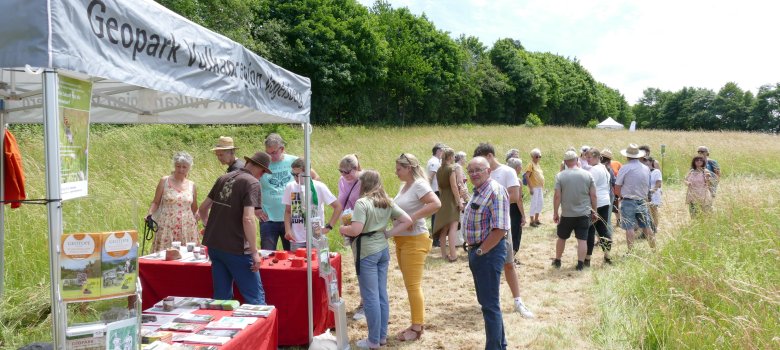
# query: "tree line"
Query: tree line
{"points": [[690, 108], [382, 65]]}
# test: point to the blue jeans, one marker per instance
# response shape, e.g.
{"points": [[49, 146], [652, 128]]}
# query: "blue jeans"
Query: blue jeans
{"points": [[487, 270], [226, 268], [373, 291], [270, 233]]}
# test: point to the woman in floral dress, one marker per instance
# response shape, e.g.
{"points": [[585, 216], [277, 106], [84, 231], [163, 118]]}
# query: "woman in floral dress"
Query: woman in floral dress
{"points": [[175, 206]]}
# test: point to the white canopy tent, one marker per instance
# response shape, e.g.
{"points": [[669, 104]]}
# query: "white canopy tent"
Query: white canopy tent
{"points": [[609, 123], [147, 65]]}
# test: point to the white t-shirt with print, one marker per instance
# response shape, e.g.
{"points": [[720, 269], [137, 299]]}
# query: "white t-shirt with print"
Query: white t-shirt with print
{"points": [[293, 196], [655, 175]]}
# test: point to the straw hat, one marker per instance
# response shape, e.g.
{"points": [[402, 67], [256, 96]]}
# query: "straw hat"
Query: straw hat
{"points": [[606, 153], [633, 151], [225, 142], [262, 159]]}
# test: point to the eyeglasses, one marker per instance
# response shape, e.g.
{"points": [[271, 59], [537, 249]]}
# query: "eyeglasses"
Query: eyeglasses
{"points": [[701, 151], [537, 156], [476, 171], [345, 172]]}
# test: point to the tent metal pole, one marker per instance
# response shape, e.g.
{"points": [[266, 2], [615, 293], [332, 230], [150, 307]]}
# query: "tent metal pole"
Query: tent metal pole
{"points": [[54, 207], [307, 189], [2, 207]]}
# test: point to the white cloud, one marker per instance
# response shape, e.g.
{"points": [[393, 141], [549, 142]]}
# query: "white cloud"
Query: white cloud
{"points": [[630, 45]]}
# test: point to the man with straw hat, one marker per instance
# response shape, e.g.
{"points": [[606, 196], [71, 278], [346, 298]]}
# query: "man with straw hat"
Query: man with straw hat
{"points": [[230, 232], [632, 186], [226, 153]]}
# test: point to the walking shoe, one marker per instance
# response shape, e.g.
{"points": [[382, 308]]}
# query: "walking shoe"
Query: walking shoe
{"points": [[360, 314], [580, 265], [607, 261], [587, 262], [533, 224], [365, 344], [520, 307], [556, 263]]}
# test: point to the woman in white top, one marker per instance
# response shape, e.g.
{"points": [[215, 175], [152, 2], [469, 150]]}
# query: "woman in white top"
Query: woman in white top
{"points": [[603, 200], [655, 190], [413, 244]]}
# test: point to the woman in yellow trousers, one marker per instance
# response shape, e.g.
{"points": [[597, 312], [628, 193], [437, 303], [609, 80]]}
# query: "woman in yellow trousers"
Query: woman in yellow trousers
{"points": [[412, 245]]}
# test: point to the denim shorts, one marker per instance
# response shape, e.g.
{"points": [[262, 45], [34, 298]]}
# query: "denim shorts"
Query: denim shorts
{"points": [[634, 212]]}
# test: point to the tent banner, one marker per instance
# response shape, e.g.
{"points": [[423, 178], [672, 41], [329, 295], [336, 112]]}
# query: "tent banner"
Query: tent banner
{"points": [[75, 97], [144, 44]]}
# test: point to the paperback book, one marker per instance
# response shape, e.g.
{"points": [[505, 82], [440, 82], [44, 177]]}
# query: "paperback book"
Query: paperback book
{"points": [[204, 339], [122, 335], [229, 322], [181, 327], [230, 333], [86, 337], [253, 310], [80, 273], [193, 318], [119, 263]]}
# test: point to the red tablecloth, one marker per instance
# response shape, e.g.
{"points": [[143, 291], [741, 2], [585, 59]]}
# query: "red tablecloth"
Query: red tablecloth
{"points": [[285, 288], [261, 335]]}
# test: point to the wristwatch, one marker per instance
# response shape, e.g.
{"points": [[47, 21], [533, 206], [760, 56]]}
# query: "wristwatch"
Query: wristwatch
{"points": [[479, 251], [328, 226]]}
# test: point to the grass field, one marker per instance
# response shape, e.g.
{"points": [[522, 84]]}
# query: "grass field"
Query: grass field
{"points": [[711, 284]]}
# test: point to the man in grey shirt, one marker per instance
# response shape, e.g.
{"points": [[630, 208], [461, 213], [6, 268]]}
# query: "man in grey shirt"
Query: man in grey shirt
{"points": [[575, 195], [633, 185]]}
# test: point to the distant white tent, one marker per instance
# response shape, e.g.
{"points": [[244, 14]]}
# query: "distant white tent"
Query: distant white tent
{"points": [[609, 123]]}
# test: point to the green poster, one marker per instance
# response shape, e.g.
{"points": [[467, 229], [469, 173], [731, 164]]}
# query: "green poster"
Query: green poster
{"points": [[75, 98]]}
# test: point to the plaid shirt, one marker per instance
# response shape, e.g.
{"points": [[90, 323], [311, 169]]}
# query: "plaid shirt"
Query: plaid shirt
{"points": [[487, 209]]}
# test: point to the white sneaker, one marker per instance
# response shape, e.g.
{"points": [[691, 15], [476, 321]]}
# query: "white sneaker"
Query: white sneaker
{"points": [[520, 307], [365, 344], [360, 314]]}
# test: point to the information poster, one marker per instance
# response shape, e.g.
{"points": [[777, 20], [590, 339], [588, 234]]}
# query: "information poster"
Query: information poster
{"points": [[75, 98]]}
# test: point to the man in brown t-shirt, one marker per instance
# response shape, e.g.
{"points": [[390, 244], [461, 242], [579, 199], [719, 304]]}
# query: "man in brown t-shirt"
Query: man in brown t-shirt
{"points": [[229, 217]]}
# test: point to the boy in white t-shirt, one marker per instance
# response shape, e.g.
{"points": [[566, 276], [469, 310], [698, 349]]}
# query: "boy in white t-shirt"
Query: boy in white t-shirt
{"points": [[294, 202]]}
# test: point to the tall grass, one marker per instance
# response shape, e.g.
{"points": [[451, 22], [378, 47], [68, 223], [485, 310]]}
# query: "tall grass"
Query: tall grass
{"points": [[126, 162], [714, 285]]}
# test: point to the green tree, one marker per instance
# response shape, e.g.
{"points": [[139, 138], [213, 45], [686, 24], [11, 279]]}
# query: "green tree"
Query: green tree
{"points": [[729, 106], [766, 114]]}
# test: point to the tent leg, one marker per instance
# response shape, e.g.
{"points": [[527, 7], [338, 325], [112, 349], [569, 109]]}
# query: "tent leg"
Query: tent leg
{"points": [[2, 207], [307, 188], [54, 207]]}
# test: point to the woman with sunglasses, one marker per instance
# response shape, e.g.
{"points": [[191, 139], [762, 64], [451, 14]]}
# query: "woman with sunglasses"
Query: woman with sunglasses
{"points": [[412, 245], [371, 215], [699, 180], [349, 193]]}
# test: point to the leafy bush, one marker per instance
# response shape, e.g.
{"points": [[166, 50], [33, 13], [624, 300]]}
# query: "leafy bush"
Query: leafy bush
{"points": [[533, 120]]}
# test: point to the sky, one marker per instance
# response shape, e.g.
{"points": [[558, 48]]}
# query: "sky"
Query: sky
{"points": [[630, 45]]}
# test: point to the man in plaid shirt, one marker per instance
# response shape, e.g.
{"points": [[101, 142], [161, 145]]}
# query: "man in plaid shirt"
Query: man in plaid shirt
{"points": [[485, 224]]}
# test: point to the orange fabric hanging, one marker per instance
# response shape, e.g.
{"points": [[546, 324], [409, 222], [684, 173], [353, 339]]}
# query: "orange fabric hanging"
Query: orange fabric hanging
{"points": [[14, 172]]}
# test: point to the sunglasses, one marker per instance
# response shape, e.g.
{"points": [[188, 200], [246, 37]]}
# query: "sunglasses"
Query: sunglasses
{"points": [[403, 155], [701, 151], [345, 172], [295, 174]]}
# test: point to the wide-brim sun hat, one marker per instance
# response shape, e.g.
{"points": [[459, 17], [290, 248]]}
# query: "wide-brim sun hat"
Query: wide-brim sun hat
{"points": [[262, 159], [633, 151], [224, 143]]}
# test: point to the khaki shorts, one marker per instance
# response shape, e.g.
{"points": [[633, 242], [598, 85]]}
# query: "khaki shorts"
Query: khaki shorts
{"points": [[510, 258]]}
